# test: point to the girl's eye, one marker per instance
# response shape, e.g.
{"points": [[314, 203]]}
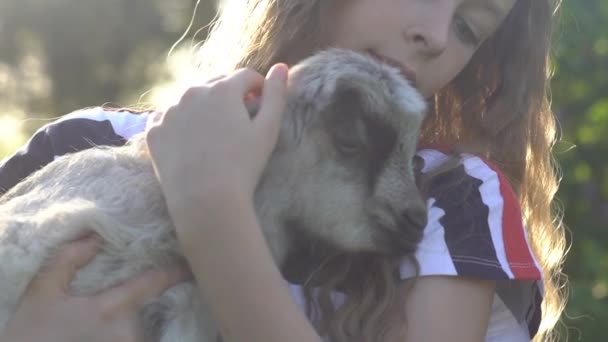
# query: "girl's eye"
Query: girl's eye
{"points": [[465, 32]]}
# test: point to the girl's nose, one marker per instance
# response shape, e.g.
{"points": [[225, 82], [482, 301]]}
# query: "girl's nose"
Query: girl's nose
{"points": [[430, 31]]}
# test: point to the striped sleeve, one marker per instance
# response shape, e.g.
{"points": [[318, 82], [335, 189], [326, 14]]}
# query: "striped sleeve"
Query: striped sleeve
{"points": [[77, 131], [475, 226], [475, 229]]}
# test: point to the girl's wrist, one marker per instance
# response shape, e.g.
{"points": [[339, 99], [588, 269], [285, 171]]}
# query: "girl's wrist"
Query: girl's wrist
{"points": [[197, 204], [200, 219]]}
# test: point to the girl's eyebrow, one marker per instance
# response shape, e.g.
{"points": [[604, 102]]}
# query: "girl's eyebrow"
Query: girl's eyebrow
{"points": [[492, 7]]}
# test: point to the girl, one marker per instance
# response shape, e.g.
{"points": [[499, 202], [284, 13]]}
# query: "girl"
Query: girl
{"points": [[491, 252]]}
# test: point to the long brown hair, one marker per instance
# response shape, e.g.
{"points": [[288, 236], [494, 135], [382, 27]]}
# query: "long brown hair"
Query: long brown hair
{"points": [[497, 107]]}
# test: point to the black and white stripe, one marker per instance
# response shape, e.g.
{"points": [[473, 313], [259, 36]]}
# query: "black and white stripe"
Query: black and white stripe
{"points": [[74, 132]]}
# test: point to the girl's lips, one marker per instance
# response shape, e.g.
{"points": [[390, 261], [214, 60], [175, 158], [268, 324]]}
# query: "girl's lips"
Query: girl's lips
{"points": [[405, 71]]}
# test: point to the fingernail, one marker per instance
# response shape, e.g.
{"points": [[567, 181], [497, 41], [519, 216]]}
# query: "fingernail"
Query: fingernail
{"points": [[279, 72]]}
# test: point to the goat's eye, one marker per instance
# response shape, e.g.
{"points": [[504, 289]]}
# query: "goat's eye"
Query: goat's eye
{"points": [[349, 135], [347, 124], [350, 147]]}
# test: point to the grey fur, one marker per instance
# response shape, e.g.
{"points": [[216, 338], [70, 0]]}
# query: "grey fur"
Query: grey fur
{"points": [[342, 169]]}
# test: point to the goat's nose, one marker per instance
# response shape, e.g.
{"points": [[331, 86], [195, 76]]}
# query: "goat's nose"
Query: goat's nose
{"points": [[415, 215]]}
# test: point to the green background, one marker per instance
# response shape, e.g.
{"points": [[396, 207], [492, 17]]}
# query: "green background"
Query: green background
{"points": [[60, 55]]}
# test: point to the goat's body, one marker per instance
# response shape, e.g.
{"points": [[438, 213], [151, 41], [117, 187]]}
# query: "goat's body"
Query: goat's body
{"points": [[128, 212], [114, 193]]}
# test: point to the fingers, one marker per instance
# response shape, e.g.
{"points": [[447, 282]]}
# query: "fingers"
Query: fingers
{"points": [[133, 293], [195, 91], [244, 82], [57, 273], [53, 281], [274, 97], [246, 88]]}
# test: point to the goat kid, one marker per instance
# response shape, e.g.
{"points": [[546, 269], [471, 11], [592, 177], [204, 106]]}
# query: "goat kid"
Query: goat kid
{"points": [[341, 173]]}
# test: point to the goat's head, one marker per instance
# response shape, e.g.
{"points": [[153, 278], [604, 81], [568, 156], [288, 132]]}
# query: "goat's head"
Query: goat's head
{"points": [[344, 157]]}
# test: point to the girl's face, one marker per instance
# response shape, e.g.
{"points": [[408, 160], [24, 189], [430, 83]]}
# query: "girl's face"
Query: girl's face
{"points": [[431, 40]]}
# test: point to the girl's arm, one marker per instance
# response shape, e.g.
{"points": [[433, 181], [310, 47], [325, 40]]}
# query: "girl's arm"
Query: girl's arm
{"points": [[448, 308], [209, 155], [237, 276]]}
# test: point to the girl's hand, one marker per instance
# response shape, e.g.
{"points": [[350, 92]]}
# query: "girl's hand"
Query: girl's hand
{"points": [[208, 143], [47, 312], [209, 155]]}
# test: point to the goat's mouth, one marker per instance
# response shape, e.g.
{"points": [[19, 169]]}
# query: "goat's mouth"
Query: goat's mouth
{"points": [[397, 240]]}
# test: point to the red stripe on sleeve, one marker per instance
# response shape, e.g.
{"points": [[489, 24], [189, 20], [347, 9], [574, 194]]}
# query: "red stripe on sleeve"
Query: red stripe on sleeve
{"points": [[518, 253], [519, 257]]}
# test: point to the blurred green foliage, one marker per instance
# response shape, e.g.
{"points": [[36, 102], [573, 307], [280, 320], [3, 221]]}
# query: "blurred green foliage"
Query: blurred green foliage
{"points": [[60, 55], [580, 99]]}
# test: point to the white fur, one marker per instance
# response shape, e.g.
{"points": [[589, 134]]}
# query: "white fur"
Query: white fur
{"points": [[308, 183]]}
